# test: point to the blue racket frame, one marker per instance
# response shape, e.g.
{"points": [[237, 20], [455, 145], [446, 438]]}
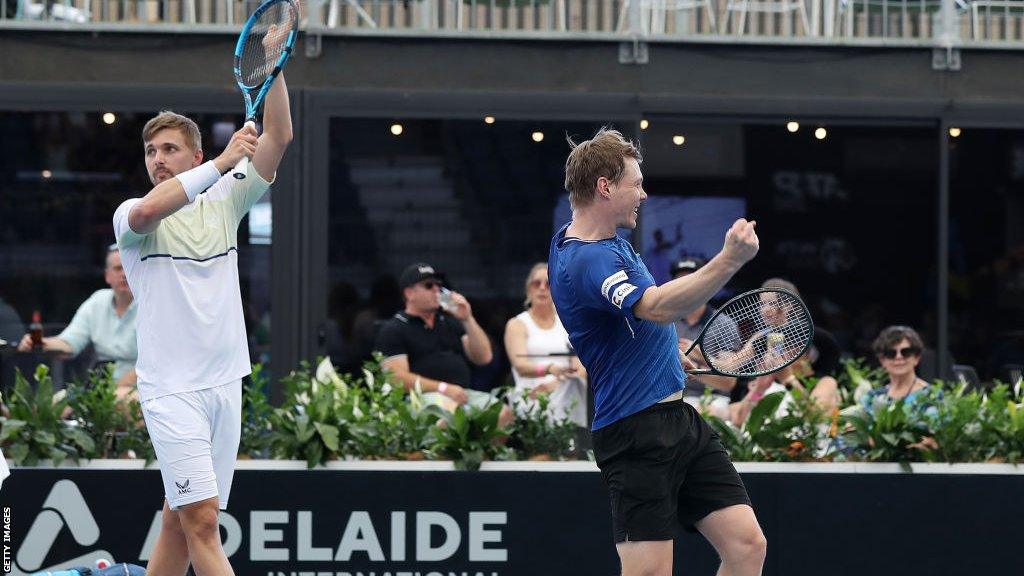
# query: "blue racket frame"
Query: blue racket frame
{"points": [[252, 105]]}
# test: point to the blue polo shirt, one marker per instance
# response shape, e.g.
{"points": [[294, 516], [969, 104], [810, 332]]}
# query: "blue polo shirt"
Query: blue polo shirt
{"points": [[631, 363]]}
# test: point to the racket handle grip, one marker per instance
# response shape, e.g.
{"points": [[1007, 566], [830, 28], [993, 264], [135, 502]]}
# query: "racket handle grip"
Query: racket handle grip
{"points": [[242, 168]]}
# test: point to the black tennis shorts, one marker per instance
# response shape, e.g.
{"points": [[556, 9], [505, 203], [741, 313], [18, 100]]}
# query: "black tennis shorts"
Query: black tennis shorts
{"points": [[664, 467]]}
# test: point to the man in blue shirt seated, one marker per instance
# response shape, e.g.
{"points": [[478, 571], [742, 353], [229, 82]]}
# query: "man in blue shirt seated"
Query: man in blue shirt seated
{"points": [[107, 321], [662, 463]]}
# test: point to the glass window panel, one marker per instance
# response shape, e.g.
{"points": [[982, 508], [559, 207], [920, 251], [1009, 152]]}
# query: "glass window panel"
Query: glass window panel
{"points": [[850, 218], [478, 201], [986, 252]]}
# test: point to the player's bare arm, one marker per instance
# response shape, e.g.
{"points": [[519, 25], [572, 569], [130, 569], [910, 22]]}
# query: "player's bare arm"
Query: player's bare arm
{"points": [[679, 297]]}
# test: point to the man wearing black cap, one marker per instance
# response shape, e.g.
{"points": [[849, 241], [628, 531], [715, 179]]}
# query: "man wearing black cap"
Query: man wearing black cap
{"points": [[430, 341], [688, 328]]}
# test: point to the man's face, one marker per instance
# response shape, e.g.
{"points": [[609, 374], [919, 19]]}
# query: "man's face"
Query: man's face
{"points": [[627, 193], [114, 274], [168, 154], [424, 295]]}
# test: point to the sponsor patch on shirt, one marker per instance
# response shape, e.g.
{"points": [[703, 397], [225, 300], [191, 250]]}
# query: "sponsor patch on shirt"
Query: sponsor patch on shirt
{"points": [[620, 294], [612, 280]]}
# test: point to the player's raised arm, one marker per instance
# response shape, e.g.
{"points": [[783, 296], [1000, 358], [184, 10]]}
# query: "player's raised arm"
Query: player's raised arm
{"points": [[676, 298], [277, 130]]}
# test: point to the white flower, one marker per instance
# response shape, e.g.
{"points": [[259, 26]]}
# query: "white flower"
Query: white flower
{"points": [[325, 373], [302, 399], [386, 388], [369, 378]]}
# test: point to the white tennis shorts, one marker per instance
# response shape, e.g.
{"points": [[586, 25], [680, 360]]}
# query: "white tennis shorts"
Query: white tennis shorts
{"points": [[196, 435]]}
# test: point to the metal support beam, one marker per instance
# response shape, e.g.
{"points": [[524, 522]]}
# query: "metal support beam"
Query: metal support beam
{"points": [[946, 59], [942, 300]]}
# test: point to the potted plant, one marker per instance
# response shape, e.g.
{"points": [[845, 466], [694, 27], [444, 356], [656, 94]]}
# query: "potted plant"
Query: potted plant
{"points": [[35, 431]]}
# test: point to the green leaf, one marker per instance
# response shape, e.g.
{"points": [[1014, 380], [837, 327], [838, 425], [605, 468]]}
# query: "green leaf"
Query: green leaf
{"points": [[45, 438], [329, 434], [762, 411], [459, 423], [303, 431], [10, 428], [18, 452], [314, 454], [57, 456], [81, 438]]}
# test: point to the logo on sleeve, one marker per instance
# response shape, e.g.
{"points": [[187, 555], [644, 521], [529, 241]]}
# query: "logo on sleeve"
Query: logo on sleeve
{"points": [[620, 294], [612, 280]]}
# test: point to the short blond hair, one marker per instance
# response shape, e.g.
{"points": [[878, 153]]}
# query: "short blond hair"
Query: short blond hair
{"points": [[604, 155], [168, 119]]}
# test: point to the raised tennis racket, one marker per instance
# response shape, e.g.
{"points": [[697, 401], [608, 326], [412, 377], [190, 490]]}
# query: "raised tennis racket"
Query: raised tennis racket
{"points": [[755, 333], [263, 49]]}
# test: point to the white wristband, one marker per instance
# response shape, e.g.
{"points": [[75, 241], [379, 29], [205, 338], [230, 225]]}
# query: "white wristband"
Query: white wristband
{"points": [[442, 387], [198, 179]]}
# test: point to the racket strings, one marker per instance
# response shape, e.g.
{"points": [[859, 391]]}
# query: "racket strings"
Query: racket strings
{"points": [[265, 43], [758, 334]]}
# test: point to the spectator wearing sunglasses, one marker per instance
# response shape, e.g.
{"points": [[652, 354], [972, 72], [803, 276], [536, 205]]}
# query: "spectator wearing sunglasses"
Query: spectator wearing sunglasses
{"points": [[432, 341], [532, 339], [898, 349]]}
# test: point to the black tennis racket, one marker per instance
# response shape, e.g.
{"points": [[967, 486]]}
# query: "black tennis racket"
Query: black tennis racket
{"points": [[756, 333], [262, 51]]}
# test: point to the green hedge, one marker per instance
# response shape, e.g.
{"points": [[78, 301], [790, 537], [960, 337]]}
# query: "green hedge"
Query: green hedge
{"points": [[326, 416], [951, 423]]}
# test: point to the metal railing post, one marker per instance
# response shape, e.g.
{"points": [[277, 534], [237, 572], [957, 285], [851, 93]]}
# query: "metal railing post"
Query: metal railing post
{"points": [[635, 18], [426, 12], [946, 54]]}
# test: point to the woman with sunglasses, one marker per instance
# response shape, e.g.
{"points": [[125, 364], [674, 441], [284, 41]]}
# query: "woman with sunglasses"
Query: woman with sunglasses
{"points": [[898, 349], [538, 349]]}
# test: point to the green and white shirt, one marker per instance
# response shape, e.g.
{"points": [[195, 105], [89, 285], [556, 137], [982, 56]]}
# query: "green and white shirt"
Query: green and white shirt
{"points": [[184, 275]]}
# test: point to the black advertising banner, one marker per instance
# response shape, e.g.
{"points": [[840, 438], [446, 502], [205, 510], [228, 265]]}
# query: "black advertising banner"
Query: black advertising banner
{"points": [[327, 523], [517, 523]]}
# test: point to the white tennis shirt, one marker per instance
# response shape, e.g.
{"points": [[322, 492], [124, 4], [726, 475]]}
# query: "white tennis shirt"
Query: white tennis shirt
{"points": [[184, 275]]}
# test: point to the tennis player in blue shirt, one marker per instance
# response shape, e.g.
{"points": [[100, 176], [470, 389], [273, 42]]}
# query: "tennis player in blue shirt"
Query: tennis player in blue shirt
{"points": [[663, 465]]}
